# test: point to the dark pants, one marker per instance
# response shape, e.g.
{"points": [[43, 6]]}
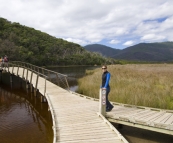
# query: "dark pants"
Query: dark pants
{"points": [[108, 104]]}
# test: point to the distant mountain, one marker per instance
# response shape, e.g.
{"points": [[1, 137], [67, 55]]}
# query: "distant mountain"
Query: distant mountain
{"points": [[157, 52], [102, 49], [161, 52]]}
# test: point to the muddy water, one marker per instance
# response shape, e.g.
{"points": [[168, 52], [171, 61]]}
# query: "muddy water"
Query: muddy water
{"points": [[23, 118], [136, 135]]}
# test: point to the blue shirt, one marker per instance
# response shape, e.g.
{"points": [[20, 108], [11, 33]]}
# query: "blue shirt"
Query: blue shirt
{"points": [[105, 79]]}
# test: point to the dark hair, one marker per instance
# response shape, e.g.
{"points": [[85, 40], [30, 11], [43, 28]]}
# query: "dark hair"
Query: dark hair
{"points": [[104, 66]]}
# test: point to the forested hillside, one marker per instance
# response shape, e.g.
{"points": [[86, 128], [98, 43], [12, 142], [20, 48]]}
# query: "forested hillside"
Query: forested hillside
{"points": [[29, 45], [143, 52], [155, 52], [102, 49]]}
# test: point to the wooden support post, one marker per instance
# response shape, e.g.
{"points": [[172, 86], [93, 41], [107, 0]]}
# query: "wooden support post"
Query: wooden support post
{"points": [[20, 80], [43, 99], [23, 72], [12, 70], [27, 85], [31, 77], [102, 102], [18, 71], [11, 80], [27, 75], [31, 87], [8, 68], [35, 90]]}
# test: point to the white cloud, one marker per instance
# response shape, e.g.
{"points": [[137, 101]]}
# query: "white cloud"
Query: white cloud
{"points": [[92, 21], [79, 41], [152, 38], [128, 43], [114, 42]]}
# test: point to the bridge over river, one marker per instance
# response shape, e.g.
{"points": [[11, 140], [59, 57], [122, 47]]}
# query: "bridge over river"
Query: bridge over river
{"points": [[78, 118]]}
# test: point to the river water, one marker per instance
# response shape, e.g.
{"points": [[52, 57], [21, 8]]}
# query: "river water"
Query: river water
{"points": [[24, 119]]}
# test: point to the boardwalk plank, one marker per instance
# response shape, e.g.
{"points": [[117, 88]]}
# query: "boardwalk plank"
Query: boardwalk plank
{"points": [[163, 118], [170, 120], [149, 119], [101, 140]]}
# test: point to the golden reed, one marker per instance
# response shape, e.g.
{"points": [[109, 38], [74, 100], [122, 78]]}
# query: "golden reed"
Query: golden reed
{"points": [[148, 85]]}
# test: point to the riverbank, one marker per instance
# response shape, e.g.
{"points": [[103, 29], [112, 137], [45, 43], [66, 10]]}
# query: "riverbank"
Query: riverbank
{"points": [[137, 84], [67, 66]]}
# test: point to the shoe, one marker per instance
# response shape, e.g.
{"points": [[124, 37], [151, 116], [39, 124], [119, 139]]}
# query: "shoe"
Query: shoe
{"points": [[109, 109]]}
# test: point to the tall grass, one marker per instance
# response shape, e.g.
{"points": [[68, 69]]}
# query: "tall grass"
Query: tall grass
{"points": [[148, 85]]}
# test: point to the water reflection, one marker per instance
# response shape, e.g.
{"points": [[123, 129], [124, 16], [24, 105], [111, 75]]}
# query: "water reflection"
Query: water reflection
{"points": [[137, 135], [73, 73], [23, 118]]}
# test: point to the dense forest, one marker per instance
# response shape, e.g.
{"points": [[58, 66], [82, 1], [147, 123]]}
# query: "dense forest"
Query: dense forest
{"points": [[22, 43]]}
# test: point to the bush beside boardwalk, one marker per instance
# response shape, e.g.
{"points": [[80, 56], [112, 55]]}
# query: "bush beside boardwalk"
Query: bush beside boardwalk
{"points": [[148, 85]]}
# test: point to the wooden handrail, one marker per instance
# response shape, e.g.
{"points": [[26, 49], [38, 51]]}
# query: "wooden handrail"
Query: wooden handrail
{"points": [[38, 67], [39, 71]]}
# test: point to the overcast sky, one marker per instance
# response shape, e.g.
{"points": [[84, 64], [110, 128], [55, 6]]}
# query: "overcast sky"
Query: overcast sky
{"points": [[115, 23]]}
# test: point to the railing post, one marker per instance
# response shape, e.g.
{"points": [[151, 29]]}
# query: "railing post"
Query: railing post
{"points": [[27, 80], [102, 101], [31, 77], [27, 75], [43, 99], [57, 78], [23, 72], [67, 83], [42, 71], [12, 69], [49, 76], [8, 67]]}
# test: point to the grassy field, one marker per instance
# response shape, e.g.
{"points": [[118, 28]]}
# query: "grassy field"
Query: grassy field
{"points": [[148, 85]]}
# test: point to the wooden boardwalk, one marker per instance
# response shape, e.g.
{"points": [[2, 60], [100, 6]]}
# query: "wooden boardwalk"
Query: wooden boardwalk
{"points": [[75, 119], [142, 117]]}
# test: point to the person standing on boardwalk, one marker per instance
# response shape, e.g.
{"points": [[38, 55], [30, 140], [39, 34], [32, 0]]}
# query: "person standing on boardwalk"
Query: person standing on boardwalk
{"points": [[105, 84], [5, 61]]}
